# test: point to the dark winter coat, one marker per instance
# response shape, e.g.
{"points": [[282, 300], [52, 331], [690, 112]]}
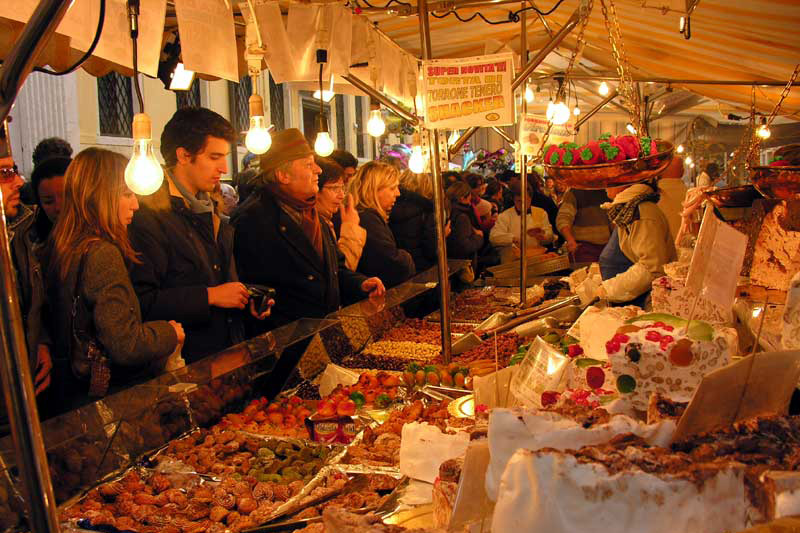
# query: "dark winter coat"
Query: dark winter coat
{"points": [[463, 243], [381, 256], [182, 254], [414, 228], [271, 249]]}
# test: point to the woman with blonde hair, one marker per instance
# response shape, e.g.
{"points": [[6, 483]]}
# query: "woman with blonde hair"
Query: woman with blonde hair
{"points": [[99, 333], [375, 189]]}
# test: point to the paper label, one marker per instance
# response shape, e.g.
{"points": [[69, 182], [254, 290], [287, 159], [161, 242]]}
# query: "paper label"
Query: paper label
{"points": [[532, 129], [543, 368], [717, 261], [466, 92]]}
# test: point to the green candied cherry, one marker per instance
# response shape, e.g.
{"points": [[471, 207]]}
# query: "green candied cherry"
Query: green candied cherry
{"points": [[358, 398], [626, 384], [382, 401]]}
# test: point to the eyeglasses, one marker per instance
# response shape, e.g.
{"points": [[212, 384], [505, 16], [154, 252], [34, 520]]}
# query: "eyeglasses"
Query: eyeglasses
{"points": [[8, 174]]}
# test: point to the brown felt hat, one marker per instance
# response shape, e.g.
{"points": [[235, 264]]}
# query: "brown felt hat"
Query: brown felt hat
{"points": [[287, 145]]}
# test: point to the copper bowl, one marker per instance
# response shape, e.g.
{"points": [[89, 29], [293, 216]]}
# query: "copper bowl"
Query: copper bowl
{"points": [[781, 183], [606, 175], [742, 196]]}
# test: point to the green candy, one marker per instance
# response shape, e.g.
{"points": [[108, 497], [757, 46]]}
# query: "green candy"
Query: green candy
{"points": [[626, 384]]}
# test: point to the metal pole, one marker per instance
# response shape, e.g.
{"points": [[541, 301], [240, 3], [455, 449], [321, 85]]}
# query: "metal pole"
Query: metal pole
{"points": [[438, 199], [595, 109], [18, 390], [528, 69], [523, 173], [380, 97], [463, 139]]}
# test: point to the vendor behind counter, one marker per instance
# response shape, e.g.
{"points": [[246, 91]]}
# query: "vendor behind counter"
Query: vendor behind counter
{"points": [[640, 244]]}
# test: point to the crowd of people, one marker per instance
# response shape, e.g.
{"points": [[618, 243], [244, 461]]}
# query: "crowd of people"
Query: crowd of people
{"points": [[113, 286]]}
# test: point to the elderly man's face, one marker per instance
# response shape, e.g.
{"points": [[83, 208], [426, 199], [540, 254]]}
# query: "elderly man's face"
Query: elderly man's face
{"points": [[300, 179]]}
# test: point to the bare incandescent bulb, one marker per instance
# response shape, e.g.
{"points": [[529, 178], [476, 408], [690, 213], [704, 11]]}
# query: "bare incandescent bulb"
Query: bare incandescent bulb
{"points": [[258, 140], [528, 94], [603, 89], [323, 145], [143, 174], [416, 163], [375, 125], [679, 149]]}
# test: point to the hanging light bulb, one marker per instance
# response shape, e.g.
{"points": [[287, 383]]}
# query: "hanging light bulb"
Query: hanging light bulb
{"points": [[630, 128], [143, 174], [561, 113], [549, 112], [324, 144], [375, 125], [763, 131], [528, 94], [576, 111], [689, 160], [416, 163], [731, 154], [258, 140], [691, 165], [603, 89], [455, 135], [679, 149]]}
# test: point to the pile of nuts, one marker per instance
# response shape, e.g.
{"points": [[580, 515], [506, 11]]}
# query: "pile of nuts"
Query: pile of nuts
{"points": [[408, 350]]}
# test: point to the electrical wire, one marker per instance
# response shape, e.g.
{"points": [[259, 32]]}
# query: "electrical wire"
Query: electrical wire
{"points": [[134, 39], [88, 53], [513, 16], [389, 3]]}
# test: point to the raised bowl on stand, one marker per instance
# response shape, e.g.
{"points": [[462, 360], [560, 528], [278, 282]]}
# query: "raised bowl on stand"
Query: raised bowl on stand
{"points": [[604, 175], [780, 183], [742, 196]]}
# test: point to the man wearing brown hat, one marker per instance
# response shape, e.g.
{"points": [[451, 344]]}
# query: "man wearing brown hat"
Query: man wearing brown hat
{"points": [[280, 241]]}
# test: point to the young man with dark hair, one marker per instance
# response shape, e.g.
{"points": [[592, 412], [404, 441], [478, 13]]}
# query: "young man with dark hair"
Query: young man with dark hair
{"points": [[347, 161], [187, 271]]}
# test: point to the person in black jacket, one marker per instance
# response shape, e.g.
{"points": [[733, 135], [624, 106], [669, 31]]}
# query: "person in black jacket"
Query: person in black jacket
{"points": [[375, 189], [186, 271], [412, 219], [465, 238], [280, 240]]}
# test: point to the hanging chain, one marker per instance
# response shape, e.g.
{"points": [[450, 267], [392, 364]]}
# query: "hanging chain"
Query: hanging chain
{"points": [[756, 140], [561, 90], [626, 85]]}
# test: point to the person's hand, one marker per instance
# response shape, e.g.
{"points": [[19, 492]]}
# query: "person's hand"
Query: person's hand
{"points": [[178, 331], [44, 365], [348, 211], [374, 286], [263, 315], [232, 295], [447, 230], [536, 233], [572, 245]]}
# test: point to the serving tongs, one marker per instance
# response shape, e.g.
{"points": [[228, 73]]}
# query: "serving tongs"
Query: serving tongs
{"points": [[386, 508], [502, 322]]}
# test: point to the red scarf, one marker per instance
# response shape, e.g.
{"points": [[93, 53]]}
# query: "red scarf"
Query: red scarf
{"points": [[308, 211]]}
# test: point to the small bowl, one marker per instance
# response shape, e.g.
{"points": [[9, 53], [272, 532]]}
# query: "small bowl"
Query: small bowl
{"points": [[604, 175], [742, 196], [780, 183]]}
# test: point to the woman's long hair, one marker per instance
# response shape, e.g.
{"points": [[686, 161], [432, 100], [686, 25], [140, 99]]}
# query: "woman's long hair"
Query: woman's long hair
{"points": [[421, 184], [369, 179], [92, 187]]}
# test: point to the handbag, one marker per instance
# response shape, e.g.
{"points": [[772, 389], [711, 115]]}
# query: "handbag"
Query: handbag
{"points": [[88, 357]]}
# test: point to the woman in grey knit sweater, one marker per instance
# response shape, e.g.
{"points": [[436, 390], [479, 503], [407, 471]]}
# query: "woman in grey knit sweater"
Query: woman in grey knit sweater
{"points": [[87, 271]]}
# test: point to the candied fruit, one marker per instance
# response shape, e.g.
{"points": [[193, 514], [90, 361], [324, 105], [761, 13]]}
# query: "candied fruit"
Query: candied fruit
{"points": [[633, 351], [626, 384], [549, 397], [653, 335], [595, 377], [681, 353], [612, 346]]}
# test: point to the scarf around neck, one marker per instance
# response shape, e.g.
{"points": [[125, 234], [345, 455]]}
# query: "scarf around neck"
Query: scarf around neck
{"points": [[199, 204], [309, 221], [623, 214]]}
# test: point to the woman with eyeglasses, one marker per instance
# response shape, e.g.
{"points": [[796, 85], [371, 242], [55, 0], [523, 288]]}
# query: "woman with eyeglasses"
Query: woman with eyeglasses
{"points": [[91, 291], [375, 188], [340, 215]]}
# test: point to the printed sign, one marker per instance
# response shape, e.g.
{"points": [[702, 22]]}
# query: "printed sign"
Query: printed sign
{"points": [[473, 91], [717, 261], [532, 129]]}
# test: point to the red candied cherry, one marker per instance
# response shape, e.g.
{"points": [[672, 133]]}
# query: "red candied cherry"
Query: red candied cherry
{"points": [[668, 327], [595, 377], [681, 353], [658, 324], [653, 335], [612, 346], [666, 340], [621, 338], [549, 397], [581, 394], [574, 350]]}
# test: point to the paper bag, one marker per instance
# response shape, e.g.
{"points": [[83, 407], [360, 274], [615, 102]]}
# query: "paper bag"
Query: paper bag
{"points": [[333, 376], [424, 447], [494, 390]]}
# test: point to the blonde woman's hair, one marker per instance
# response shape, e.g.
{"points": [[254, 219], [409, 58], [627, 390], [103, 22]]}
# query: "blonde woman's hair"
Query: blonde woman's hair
{"points": [[92, 187], [421, 184], [369, 179]]}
